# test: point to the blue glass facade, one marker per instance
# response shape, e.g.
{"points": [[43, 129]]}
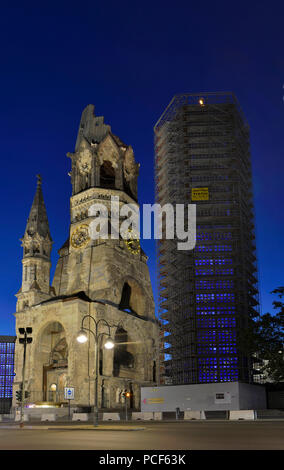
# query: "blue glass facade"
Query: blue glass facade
{"points": [[216, 326], [7, 351]]}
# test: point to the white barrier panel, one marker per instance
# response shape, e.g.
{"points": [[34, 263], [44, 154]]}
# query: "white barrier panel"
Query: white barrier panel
{"points": [[190, 414], [80, 417], [18, 417], [242, 414], [48, 417], [136, 415], [111, 417], [158, 415], [148, 416]]}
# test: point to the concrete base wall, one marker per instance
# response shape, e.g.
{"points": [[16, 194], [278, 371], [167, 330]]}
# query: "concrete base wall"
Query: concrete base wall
{"points": [[38, 412], [210, 397], [252, 397], [276, 399]]}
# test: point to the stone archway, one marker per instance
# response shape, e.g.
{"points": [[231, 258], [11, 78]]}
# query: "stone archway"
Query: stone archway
{"points": [[51, 363]]}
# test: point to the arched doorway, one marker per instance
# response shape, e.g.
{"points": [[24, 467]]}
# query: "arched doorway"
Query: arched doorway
{"points": [[52, 362]]}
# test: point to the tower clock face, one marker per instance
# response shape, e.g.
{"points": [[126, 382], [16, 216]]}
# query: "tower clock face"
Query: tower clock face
{"points": [[133, 243], [80, 237]]}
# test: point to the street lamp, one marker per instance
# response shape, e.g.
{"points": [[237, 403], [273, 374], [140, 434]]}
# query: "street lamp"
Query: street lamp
{"points": [[109, 344], [83, 338], [25, 340]]}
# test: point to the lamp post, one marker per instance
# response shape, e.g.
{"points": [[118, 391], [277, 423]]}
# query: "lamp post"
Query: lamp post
{"points": [[83, 338], [127, 394], [25, 340]]}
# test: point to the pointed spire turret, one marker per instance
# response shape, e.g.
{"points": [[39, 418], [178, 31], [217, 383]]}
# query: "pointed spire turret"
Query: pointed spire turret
{"points": [[37, 244], [38, 222]]}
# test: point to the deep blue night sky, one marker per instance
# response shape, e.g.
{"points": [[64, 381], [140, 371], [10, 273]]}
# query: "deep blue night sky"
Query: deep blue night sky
{"points": [[129, 59]]}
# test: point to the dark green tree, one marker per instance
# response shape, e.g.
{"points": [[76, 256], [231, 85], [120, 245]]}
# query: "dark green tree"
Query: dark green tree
{"points": [[264, 339]]}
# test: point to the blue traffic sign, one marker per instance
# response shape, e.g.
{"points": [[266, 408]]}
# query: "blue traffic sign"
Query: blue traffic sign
{"points": [[69, 393]]}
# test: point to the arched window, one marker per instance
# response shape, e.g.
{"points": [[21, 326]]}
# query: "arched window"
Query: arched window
{"points": [[122, 358], [107, 175], [125, 298], [132, 298]]}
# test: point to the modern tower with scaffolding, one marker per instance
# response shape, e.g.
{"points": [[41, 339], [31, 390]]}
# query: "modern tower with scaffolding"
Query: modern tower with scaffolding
{"points": [[208, 294]]}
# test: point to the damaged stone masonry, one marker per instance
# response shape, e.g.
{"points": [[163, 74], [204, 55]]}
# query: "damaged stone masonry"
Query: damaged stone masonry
{"points": [[107, 279]]}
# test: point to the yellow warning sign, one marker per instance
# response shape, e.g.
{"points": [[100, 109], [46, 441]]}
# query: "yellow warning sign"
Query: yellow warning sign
{"points": [[199, 194], [156, 400]]}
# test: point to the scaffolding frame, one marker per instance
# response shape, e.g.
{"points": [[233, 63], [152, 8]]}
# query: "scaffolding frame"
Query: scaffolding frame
{"points": [[202, 140]]}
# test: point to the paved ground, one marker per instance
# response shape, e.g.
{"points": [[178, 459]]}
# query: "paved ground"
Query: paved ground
{"points": [[219, 435]]}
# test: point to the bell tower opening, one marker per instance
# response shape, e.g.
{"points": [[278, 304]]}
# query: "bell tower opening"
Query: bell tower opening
{"points": [[125, 298], [107, 175], [132, 298]]}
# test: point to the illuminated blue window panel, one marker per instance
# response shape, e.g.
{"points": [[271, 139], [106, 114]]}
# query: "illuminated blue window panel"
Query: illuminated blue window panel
{"points": [[225, 297], [215, 297], [227, 349], [228, 361], [210, 310], [210, 271], [223, 336], [220, 284], [223, 248], [213, 248], [205, 236], [224, 271], [218, 369], [7, 348], [208, 371], [213, 262], [226, 322], [204, 271], [214, 349]]}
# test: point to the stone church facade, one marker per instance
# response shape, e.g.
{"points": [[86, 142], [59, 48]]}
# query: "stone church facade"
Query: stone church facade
{"points": [[104, 279]]}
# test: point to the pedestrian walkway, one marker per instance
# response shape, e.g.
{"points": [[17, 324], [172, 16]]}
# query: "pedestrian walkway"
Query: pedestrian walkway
{"points": [[73, 427]]}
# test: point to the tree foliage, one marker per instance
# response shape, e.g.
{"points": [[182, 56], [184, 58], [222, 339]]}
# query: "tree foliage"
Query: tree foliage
{"points": [[264, 339]]}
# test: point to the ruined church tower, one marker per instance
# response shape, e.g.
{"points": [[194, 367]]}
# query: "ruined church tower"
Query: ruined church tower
{"points": [[107, 279]]}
